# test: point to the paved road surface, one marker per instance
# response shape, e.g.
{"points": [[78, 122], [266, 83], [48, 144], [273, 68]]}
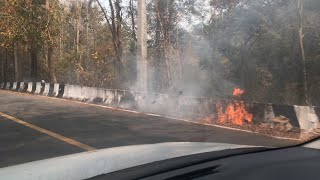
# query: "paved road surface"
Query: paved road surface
{"points": [[34, 128]]}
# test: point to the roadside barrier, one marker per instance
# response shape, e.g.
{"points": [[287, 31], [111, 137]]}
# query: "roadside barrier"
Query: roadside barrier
{"points": [[38, 88], [304, 117], [46, 89]]}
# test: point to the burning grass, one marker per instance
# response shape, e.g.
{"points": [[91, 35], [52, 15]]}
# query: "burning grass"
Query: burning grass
{"points": [[235, 114]]}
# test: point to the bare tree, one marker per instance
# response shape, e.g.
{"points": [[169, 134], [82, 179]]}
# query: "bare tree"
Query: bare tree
{"points": [[166, 40], [133, 25], [115, 25], [303, 56], [50, 47]]}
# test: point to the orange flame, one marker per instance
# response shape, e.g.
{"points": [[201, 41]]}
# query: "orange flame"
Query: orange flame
{"points": [[235, 112], [238, 92]]}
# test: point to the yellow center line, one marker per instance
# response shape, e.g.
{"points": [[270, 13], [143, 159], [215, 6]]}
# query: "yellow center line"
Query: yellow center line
{"points": [[50, 133]]}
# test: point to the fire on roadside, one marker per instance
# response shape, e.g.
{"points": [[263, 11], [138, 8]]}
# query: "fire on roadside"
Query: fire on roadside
{"points": [[235, 112]]}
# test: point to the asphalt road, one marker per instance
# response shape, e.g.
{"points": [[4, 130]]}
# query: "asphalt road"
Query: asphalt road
{"points": [[34, 128]]}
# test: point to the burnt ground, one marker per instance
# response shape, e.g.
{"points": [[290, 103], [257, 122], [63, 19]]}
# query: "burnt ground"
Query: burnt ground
{"points": [[97, 127], [270, 129]]}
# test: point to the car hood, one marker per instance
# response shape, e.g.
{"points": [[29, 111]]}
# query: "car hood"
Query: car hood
{"points": [[93, 163]]}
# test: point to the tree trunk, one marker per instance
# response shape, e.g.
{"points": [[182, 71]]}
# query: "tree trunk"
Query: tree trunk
{"points": [[133, 25], [17, 62], [34, 45], [115, 27], [50, 49], [303, 56], [77, 37], [5, 71], [87, 34], [178, 54], [34, 63], [50, 65], [158, 79], [2, 60], [118, 36]]}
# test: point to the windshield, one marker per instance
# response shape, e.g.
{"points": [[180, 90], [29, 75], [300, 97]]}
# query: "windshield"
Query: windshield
{"points": [[83, 75]]}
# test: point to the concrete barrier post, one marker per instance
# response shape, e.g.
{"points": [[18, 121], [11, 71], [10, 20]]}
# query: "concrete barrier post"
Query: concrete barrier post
{"points": [[46, 89], [30, 85], [84, 93], [17, 86], [38, 88], [100, 96], [24, 87], [307, 117], [20, 86], [42, 88], [268, 113], [10, 86], [34, 87], [14, 86], [7, 86], [61, 88], [67, 91], [109, 97], [55, 90], [287, 111], [51, 89]]}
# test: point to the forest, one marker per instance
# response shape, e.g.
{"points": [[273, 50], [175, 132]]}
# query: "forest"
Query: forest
{"points": [[201, 48]]}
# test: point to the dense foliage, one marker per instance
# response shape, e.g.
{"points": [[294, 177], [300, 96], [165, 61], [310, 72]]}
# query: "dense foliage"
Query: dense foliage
{"points": [[269, 48]]}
